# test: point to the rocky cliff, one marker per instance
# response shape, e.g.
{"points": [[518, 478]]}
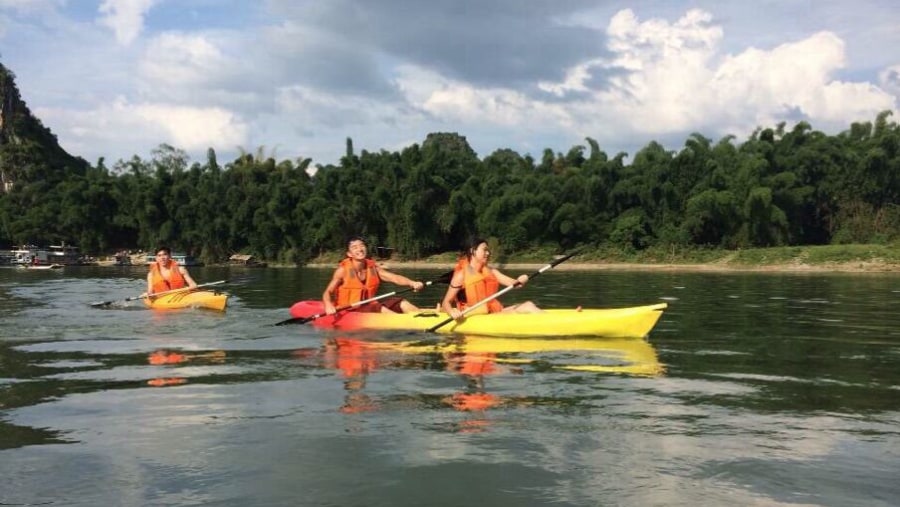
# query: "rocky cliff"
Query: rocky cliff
{"points": [[28, 150]]}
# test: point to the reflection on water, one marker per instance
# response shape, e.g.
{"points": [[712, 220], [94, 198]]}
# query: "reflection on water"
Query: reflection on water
{"points": [[751, 390], [474, 359]]}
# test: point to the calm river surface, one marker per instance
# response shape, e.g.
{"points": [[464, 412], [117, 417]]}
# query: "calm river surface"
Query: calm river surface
{"points": [[753, 389]]}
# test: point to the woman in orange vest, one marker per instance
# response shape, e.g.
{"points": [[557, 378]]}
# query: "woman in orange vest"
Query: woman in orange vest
{"points": [[473, 280], [165, 274], [357, 278]]}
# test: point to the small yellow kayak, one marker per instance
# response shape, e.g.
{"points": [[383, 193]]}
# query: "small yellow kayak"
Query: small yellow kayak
{"points": [[206, 299]]}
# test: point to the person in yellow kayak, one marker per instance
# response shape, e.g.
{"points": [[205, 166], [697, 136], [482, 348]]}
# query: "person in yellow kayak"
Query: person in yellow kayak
{"points": [[358, 277], [166, 274], [474, 280]]}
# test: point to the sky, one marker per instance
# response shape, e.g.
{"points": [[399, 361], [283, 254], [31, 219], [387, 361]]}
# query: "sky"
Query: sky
{"points": [[296, 78]]}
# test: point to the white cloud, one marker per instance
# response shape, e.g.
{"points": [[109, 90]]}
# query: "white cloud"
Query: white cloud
{"points": [[458, 101], [312, 110], [27, 6], [125, 17], [194, 128], [36, 8], [183, 60], [889, 79], [127, 126], [673, 79]]}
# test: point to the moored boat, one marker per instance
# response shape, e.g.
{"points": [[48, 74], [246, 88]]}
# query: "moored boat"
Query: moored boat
{"points": [[207, 299], [42, 266], [631, 322]]}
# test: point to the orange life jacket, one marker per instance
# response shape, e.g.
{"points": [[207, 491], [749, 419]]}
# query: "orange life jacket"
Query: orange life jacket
{"points": [[352, 289], [175, 280], [478, 285]]}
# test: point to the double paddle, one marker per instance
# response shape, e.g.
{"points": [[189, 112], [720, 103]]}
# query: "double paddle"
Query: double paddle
{"points": [[501, 292], [445, 278], [142, 296]]}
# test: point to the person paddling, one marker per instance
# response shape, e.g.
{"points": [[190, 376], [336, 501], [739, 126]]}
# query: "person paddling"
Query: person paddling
{"points": [[166, 274], [474, 280], [358, 277]]}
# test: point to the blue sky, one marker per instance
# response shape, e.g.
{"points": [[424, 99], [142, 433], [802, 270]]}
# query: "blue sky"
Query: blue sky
{"points": [[116, 78]]}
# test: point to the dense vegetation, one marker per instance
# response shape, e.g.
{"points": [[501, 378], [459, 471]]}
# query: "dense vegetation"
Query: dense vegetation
{"points": [[780, 187]]}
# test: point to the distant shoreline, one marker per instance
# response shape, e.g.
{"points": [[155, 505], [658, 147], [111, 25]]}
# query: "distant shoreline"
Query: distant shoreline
{"points": [[713, 267]]}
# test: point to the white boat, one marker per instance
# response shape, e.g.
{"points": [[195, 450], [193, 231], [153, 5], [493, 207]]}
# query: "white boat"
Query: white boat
{"points": [[41, 266], [64, 255]]}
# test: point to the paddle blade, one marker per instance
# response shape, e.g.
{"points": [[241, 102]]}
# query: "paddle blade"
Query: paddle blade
{"points": [[565, 258], [297, 320], [445, 278]]}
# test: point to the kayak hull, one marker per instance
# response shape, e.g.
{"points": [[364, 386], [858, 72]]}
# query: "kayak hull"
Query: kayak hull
{"points": [[205, 299], [631, 322]]}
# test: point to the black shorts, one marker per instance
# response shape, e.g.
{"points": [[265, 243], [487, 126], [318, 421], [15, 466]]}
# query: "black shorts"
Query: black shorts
{"points": [[392, 303]]}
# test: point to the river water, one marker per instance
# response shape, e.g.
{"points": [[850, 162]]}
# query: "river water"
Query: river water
{"points": [[753, 389]]}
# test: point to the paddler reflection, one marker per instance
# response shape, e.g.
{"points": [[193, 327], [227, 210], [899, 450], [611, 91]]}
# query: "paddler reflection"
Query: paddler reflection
{"points": [[163, 357], [474, 399], [355, 359], [477, 357]]}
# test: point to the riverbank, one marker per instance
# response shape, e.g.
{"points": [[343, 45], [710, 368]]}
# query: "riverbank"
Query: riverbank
{"points": [[842, 267], [812, 259]]}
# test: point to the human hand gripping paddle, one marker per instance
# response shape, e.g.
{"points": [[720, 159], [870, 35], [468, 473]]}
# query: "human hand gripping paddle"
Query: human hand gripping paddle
{"points": [[502, 292], [142, 296], [445, 278]]}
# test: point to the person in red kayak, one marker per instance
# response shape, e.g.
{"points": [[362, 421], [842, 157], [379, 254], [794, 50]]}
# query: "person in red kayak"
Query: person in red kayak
{"points": [[357, 278], [474, 280], [166, 274]]}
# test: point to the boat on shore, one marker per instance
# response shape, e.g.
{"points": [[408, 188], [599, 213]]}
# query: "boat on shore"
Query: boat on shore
{"points": [[180, 258], [41, 266], [32, 255], [630, 322]]}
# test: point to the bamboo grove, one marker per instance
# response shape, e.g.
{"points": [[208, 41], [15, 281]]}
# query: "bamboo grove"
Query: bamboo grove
{"points": [[780, 186]]}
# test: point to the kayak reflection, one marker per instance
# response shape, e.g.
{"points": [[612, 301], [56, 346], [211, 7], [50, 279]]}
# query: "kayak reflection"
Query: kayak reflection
{"points": [[474, 358]]}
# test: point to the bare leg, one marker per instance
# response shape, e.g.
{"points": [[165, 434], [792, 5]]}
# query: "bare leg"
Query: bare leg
{"points": [[407, 307], [526, 307]]}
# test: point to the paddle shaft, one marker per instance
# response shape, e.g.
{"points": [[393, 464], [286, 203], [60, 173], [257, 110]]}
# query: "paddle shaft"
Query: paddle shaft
{"points": [[142, 296], [303, 320], [500, 292]]}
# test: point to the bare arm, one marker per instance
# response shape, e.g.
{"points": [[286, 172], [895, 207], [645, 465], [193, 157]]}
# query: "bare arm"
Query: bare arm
{"points": [[336, 279], [187, 277], [400, 279], [507, 280], [456, 284], [149, 283]]}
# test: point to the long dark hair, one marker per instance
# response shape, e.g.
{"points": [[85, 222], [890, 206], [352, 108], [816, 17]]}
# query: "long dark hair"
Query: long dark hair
{"points": [[471, 246]]}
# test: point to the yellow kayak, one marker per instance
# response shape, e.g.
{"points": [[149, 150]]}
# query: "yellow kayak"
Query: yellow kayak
{"points": [[631, 322], [206, 299]]}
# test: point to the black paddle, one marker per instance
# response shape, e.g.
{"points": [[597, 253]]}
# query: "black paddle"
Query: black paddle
{"points": [[501, 292], [445, 278], [142, 296]]}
